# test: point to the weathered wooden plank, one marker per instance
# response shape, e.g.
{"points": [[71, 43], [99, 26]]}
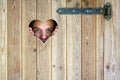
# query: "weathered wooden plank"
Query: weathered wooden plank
{"points": [[118, 40], [28, 41], [0, 40], [110, 39], [14, 39], [3, 39], [88, 43], [0, 68], [74, 43], [3, 43], [100, 43], [44, 50], [59, 43]]}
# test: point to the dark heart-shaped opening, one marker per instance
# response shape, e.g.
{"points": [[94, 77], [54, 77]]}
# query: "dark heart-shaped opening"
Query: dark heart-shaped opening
{"points": [[43, 30]]}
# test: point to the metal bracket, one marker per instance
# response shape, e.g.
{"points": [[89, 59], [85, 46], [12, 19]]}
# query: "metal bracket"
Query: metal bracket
{"points": [[106, 11]]}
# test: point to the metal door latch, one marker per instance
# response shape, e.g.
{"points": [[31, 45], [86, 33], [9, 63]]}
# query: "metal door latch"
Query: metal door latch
{"points": [[106, 11]]}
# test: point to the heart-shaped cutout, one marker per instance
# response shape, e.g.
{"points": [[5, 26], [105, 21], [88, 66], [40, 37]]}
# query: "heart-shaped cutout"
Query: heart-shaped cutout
{"points": [[43, 30]]}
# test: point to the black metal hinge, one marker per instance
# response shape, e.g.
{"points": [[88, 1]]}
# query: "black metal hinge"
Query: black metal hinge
{"points": [[106, 11]]}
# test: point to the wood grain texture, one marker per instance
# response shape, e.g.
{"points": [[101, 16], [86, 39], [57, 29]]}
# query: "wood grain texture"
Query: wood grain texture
{"points": [[3, 39], [0, 40], [14, 39], [44, 50], [118, 40], [88, 43], [86, 47], [74, 43], [110, 38], [59, 43], [100, 24], [28, 41]]}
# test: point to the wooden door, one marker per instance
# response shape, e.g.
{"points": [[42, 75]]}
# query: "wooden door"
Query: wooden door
{"points": [[86, 47]]}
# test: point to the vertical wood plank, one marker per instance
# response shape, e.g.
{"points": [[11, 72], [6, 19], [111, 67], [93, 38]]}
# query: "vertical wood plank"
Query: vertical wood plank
{"points": [[100, 24], [108, 48], [59, 43], [118, 39], [110, 39], [3, 39], [74, 43], [44, 50], [88, 43], [0, 69], [14, 39], [28, 41]]}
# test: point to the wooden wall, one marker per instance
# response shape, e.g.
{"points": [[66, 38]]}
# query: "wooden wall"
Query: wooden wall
{"points": [[86, 47]]}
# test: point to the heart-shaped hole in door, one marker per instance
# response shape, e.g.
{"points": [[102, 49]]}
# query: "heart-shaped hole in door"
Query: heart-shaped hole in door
{"points": [[43, 30]]}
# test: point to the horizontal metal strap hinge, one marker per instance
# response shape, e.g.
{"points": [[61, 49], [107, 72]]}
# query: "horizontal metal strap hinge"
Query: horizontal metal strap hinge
{"points": [[106, 11]]}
